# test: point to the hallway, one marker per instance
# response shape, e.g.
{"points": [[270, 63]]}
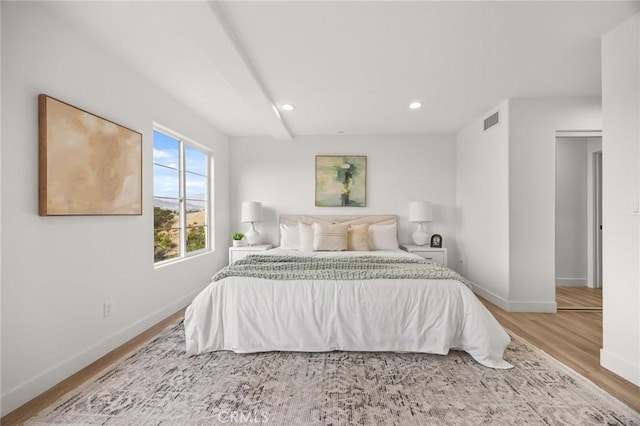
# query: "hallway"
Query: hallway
{"points": [[584, 299]]}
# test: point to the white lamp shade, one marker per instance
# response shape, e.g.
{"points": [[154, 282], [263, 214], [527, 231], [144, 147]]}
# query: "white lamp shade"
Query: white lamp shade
{"points": [[420, 211], [251, 211]]}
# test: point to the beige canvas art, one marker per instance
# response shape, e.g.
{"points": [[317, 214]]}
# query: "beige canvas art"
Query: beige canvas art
{"points": [[88, 165]]}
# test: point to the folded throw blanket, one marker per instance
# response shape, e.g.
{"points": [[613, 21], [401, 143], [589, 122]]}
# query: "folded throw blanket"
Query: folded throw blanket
{"points": [[337, 268]]}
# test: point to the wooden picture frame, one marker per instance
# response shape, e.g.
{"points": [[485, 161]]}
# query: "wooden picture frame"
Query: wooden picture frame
{"points": [[341, 180], [88, 165], [436, 241]]}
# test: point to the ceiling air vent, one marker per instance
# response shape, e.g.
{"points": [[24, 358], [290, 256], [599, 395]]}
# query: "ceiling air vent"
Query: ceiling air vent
{"points": [[492, 120]]}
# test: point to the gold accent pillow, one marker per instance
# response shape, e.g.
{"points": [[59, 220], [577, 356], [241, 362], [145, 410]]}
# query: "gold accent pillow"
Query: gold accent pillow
{"points": [[358, 237]]}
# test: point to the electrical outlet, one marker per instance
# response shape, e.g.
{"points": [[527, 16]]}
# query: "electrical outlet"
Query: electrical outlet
{"points": [[108, 308]]}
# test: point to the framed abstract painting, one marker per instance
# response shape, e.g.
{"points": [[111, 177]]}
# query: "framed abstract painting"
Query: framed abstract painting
{"points": [[341, 180], [88, 165]]}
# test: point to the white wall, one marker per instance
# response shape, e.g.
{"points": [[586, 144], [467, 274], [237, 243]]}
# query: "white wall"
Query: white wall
{"points": [[58, 271], [281, 174], [532, 163], [483, 205], [621, 185], [571, 211], [520, 275]]}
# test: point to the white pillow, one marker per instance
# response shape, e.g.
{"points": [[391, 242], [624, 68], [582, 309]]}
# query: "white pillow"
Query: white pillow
{"points": [[383, 237], [329, 237], [290, 237], [306, 236]]}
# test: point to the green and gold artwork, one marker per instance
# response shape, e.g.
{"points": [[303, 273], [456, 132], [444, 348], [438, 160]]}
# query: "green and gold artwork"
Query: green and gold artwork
{"points": [[341, 181]]}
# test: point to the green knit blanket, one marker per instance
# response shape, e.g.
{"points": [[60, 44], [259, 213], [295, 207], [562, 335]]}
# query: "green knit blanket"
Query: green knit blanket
{"points": [[337, 268]]}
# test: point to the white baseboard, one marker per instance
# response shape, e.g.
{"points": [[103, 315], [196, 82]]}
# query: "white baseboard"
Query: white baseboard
{"points": [[539, 307], [571, 282], [515, 306], [26, 391], [491, 297], [621, 367]]}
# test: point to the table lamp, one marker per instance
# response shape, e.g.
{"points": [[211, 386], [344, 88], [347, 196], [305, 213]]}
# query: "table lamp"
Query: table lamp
{"points": [[252, 212], [420, 211]]}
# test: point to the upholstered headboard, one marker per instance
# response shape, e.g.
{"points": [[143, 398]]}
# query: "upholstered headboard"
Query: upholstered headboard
{"points": [[289, 219]]}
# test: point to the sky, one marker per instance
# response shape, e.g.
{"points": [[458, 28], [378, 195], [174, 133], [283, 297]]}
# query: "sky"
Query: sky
{"points": [[165, 168]]}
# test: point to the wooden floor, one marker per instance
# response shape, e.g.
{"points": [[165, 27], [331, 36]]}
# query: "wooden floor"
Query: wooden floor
{"points": [[572, 337], [579, 299]]}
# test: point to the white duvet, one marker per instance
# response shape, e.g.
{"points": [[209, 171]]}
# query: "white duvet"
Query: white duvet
{"points": [[243, 314]]}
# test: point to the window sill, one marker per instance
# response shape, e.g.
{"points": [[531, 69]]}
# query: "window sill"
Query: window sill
{"points": [[170, 262]]}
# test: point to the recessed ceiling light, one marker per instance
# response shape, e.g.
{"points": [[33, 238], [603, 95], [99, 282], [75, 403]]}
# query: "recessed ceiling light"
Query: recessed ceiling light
{"points": [[288, 107], [415, 105]]}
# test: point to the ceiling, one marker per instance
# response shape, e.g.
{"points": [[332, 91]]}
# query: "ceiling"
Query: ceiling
{"points": [[353, 67]]}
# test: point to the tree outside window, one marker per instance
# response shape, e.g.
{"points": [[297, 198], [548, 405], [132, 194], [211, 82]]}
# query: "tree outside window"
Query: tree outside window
{"points": [[180, 197]]}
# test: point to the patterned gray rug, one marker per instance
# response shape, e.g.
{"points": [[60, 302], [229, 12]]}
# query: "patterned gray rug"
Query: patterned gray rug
{"points": [[158, 385]]}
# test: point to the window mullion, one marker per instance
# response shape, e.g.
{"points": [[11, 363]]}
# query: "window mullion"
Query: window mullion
{"points": [[207, 203], [183, 209]]}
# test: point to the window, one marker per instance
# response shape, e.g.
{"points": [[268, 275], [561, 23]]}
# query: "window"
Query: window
{"points": [[180, 197]]}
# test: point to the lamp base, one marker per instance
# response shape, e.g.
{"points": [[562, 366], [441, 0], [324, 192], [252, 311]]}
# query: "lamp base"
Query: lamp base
{"points": [[420, 238], [252, 236]]}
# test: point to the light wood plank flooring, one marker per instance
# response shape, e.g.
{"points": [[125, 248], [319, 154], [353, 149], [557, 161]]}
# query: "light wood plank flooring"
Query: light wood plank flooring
{"points": [[573, 338], [579, 299]]}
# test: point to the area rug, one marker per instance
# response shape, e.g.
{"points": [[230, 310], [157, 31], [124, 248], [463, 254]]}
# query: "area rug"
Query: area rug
{"points": [[158, 385]]}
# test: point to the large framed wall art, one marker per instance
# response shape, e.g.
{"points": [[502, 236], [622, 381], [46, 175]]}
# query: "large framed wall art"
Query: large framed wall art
{"points": [[88, 165]]}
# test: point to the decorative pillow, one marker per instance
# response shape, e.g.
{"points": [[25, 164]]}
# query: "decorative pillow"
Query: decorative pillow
{"points": [[383, 237], [289, 237], [306, 236], [329, 237], [358, 237]]}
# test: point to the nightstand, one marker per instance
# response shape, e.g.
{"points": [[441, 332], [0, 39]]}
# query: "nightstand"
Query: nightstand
{"points": [[237, 253], [432, 253]]}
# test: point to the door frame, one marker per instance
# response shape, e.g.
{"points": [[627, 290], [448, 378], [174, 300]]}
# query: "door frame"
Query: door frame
{"points": [[597, 219], [591, 218]]}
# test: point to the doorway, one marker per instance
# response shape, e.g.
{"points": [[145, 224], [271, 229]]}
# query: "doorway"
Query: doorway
{"points": [[578, 238]]}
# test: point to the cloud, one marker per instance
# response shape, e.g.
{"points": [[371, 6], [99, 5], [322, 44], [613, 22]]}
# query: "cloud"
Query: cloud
{"points": [[158, 153], [165, 186], [168, 158], [195, 184]]}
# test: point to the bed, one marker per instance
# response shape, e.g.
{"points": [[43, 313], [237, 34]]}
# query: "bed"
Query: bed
{"points": [[294, 298]]}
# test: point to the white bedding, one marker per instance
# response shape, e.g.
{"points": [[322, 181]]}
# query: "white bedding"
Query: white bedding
{"points": [[419, 315]]}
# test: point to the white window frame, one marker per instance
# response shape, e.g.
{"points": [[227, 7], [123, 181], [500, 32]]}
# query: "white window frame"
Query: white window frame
{"points": [[183, 141]]}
